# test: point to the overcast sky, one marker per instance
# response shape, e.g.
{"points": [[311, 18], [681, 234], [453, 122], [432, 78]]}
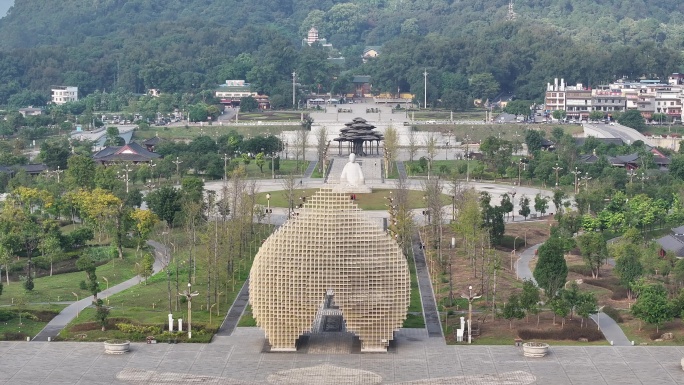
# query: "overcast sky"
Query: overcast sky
{"points": [[4, 6]]}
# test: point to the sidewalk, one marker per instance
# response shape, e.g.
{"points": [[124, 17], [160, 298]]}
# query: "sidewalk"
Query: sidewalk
{"points": [[427, 298], [610, 329], [62, 319]]}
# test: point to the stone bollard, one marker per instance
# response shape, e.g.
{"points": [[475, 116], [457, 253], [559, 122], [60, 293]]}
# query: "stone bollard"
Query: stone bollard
{"points": [[170, 322], [180, 324], [28, 339], [49, 339], [682, 363]]}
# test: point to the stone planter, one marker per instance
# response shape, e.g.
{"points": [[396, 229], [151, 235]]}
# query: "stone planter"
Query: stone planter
{"points": [[117, 346], [535, 349]]}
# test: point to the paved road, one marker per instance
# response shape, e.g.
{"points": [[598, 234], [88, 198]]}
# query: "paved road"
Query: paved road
{"points": [[611, 330], [70, 312], [628, 135], [427, 297]]}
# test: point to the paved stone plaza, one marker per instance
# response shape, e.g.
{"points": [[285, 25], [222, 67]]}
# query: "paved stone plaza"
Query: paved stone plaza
{"points": [[413, 359]]}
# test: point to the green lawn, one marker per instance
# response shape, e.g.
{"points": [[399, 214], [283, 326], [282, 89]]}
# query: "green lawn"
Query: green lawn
{"points": [[446, 115], [280, 116], [26, 325], [60, 287], [507, 131], [148, 304]]}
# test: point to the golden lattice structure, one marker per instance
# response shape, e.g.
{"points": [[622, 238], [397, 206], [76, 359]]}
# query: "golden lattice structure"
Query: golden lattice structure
{"points": [[330, 246]]}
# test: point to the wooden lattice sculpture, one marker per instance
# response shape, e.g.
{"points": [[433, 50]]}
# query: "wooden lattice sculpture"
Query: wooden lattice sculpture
{"points": [[330, 246]]}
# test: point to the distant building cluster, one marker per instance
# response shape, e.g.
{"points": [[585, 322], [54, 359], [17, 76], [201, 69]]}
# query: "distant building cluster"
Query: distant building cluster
{"points": [[647, 96], [232, 91]]}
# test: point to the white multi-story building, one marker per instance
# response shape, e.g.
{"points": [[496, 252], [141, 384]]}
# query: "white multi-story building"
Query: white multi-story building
{"points": [[232, 91], [64, 94], [647, 96], [669, 101]]}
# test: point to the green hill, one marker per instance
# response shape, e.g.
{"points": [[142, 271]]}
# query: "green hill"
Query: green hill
{"points": [[183, 46]]}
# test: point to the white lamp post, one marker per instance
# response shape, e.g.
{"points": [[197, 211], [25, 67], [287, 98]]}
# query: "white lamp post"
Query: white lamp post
{"points": [[188, 294], [470, 297]]}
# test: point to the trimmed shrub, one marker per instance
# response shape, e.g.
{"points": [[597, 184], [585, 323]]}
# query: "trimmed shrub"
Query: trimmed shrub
{"points": [[80, 236], [580, 269], [613, 313], [15, 336], [619, 294], [569, 332], [140, 329], [6, 315], [101, 255]]}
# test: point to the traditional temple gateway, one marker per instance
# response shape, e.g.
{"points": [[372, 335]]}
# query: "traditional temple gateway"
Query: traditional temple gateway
{"points": [[330, 257], [361, 138]]}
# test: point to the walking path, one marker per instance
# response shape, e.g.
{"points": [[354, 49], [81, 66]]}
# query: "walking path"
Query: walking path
{"points": [[310, 169], [52, 329], [610, 329], [401, 169], [427, 297], [235, 312]]}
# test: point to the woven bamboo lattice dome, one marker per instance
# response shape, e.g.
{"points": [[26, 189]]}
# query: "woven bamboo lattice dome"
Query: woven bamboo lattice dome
{"points": [[330, 246]]}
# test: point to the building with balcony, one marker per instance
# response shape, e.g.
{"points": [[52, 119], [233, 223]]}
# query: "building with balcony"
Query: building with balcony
{"points": [[668, 101], [609, 102], [232, 91], [578, 104], [64, 94]]}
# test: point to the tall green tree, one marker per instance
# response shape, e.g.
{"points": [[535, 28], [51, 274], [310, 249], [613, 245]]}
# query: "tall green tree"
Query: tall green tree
{"points": [[524, 206], [652, 305], [529, 299], [86, 264], [551, 270], [628, 267], [80, 172], [248, 104], [594, 251], [586, 305], [633, 119], [560, 307], [165, 203], [513, 310], [541, 203]]}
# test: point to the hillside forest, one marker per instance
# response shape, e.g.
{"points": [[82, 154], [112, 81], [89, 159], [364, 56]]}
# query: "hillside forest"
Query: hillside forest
{"points": [[469, 49]]}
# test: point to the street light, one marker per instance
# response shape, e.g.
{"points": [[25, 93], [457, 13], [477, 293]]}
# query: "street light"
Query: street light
{"points": [[513, 203], [177, 162], [586, 180], [268, 207], [210, 309], [577, 173], [425, 74], [514, 249], [470, 297], [598, 316], [556, 169], [188, 294], [78, 311]]}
